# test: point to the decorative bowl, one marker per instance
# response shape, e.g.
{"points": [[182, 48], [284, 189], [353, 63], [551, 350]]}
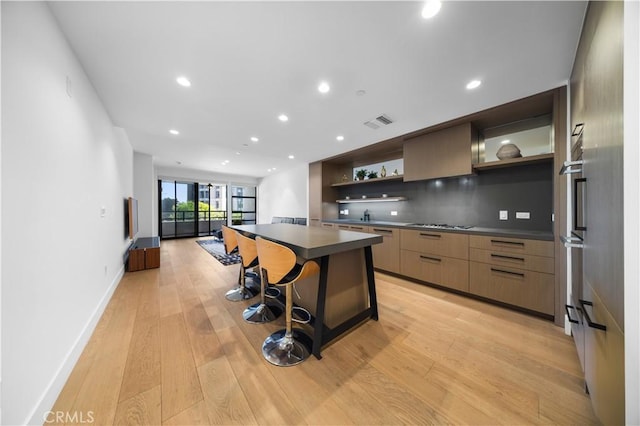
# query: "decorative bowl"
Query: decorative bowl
{"points": [[508, 151]]}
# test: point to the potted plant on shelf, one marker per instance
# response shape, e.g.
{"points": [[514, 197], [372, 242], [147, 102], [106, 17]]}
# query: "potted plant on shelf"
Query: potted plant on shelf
{"points": [[360, 174], [372, 175]]}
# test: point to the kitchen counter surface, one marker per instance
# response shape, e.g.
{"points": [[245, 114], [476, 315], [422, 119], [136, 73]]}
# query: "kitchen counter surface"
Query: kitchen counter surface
{"points": [[476, 230], [311, 242]]}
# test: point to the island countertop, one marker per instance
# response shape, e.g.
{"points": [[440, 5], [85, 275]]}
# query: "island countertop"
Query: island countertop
{"points": [[311, 242]]}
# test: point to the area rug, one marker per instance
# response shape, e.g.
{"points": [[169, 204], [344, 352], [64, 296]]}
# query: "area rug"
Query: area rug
{"points": [[216, 249]]}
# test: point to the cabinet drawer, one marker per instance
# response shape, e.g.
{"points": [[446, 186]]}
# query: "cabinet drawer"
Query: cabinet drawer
{"points": [[326, 225], [513, 260], [355, 228], [438, 243], [441, 270], [386, 255], [513, 245], [314, 221], [527, 289]]}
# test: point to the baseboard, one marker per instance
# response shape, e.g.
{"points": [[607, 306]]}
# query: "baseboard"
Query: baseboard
{"points": [[54, 388]]}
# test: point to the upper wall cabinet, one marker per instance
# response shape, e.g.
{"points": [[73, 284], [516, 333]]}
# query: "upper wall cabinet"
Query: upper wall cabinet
{"points": [[521, 142], [439, 154]]}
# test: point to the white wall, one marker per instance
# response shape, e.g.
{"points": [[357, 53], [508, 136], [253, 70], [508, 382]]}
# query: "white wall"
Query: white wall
{"points": [[284, 194], [631, 207], [62, 164], [145, 187]]}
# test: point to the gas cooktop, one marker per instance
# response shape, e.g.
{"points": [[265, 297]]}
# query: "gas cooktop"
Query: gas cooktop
{"points": [[439, 226]]}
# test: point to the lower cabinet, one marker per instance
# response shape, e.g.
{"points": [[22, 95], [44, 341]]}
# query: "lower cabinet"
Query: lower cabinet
{"points": [[440, 270], [435, 257], [386, 256], [519, 287], [516, 271]]}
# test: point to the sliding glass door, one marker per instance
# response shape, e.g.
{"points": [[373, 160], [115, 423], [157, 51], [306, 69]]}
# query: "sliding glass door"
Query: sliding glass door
{"points": [[191, 209], [178, 209]]}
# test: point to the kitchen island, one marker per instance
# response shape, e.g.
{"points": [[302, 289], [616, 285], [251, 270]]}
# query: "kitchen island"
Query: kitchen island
{"points": [[344, 294]]}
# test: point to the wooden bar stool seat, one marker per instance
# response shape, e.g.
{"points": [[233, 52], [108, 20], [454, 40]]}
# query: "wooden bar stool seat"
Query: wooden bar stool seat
{"points": [[242, 292], [278, 265]]}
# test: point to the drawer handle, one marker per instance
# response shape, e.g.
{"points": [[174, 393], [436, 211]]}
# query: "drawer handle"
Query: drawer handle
{"points": [[571, 320], [508, 272], [500, 256], [343, 226], [383, 230], [588, 318], [357, 227], [430, 235], [435, 259], [515, 243]]}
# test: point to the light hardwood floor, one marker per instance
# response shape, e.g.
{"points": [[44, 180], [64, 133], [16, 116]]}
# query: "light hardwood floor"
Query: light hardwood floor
{"points": [[170, 349]]}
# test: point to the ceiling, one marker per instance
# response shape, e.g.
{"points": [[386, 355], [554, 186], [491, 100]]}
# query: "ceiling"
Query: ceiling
{"points": [[249, 62]]}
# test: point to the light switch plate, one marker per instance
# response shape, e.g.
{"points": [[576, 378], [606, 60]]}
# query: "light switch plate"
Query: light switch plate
{"points": [[523, 215], [504, 215]]}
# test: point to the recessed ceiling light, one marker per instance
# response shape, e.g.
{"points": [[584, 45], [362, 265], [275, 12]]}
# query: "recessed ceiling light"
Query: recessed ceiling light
{"points": [[237, 152], [473, 84], [291, 157], [174, 132], [506, 141], [340, 138], [254, 139], [431, 9], [323, 87], [268, 170], [183, 81], [283, 118]]}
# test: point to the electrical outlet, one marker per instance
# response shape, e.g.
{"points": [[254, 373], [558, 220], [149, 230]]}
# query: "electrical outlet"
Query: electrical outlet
{"points": [[504, 215], [394, 213], [523, 215]]}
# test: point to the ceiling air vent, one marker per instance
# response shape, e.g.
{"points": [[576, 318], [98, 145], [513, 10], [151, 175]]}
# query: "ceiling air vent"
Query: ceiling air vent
{"points": [[381, 120]]}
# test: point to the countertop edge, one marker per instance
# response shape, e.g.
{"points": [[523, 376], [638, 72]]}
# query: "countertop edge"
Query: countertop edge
{"points": [[477, 230]]}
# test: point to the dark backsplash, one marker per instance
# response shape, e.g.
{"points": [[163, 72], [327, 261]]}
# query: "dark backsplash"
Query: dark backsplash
{"points": [[469, 200]]}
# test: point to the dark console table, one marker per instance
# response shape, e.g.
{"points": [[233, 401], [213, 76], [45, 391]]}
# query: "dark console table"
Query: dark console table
{"points": [[144, 253]]}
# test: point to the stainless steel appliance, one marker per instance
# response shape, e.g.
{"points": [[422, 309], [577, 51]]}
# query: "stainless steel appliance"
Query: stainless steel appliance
{"points": [[439, 226], [575, 241]]}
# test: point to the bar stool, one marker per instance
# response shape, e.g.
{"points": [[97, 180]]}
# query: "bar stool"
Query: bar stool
{"points": [[278, 265], [242, 292], [262, 312]]}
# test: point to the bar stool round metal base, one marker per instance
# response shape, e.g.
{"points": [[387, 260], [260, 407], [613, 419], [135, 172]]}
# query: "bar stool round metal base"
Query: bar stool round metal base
{"points": [[285, 351], [260, 313], [240, 293]]}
